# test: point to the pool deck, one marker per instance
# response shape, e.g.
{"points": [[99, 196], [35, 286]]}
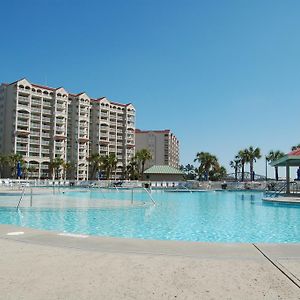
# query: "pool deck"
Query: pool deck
{"points": [[50, 265]]}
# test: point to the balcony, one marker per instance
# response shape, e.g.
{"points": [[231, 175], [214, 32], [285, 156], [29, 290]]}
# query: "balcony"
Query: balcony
{"points": [[21, 115], [34, 142], [22, 148], [45, 143], [45, 151], [36, 109], [45, 119], [22, 123], [47, 103], [35, 125], [47, 111], [57, 151], [36, 118], [22, 140], [22, 98], [35, 102], [44, 134], [60, 106], [46, 127], [35, 150], [22, 106], [35, 133]]}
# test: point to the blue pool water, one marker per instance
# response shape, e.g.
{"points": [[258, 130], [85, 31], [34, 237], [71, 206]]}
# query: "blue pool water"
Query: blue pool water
{"points": [[202, 216]]}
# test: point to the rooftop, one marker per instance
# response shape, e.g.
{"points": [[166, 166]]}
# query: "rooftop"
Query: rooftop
{"points": [[163, 169]]}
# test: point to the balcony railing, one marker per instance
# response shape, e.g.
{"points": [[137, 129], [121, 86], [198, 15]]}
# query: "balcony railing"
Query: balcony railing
{"points": [[37, 102], [35, 109], [47, 111], [22, 123], [45, 143], [46, 127], [45, 134], [22, 140], [21, 115], [34, 125], [45, 119], [22, 106], [35, 150], [34, 133], [21, 148]]}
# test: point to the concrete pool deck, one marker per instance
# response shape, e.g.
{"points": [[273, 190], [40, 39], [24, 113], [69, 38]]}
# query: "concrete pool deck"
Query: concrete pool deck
{"points": [[38, 264]]}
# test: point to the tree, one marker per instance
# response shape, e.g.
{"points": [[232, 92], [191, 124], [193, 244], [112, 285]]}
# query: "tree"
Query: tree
{"points": [[96, 162], [207, 162], [67, 167], [252, 155], [244, 158], [13, 161], [142, 156], [273, 156], [55, 165], [189, 171], [217, 172], [3, 164], [236, 165], [109, 164], [132, 169], [295, 147]]}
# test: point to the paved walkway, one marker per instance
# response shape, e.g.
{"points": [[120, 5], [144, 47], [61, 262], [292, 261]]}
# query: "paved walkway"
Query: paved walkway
{"points": [[48, 265]]}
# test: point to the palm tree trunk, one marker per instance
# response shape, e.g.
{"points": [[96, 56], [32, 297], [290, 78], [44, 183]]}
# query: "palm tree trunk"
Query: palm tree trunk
{"points": [[235, 173], [243, 172], [276, 173], [251, 170]]}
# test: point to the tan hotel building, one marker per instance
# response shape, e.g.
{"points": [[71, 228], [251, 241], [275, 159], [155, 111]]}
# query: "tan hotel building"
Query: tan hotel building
{"points": [[162, 144], [43, 123]]}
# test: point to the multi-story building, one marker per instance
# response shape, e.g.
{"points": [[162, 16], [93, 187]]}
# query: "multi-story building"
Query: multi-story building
{"points": [[162, 144], [43, 123], [113, 130], [78, 135]]}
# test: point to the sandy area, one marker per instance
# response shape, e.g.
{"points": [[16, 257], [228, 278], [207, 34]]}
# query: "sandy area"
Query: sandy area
{"points": [[48, 266]]}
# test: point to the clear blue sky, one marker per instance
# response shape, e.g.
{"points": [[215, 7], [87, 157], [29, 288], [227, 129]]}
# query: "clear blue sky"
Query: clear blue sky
{"points": [[222, 75]]}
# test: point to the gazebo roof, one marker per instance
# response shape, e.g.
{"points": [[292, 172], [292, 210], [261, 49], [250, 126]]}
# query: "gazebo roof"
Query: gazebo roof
{"points": [[292, 159], [163, 169]]}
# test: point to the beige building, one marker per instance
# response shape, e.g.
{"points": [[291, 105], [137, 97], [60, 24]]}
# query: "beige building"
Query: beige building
{"points": [[162, 144], [43, 123], [113, 131]]}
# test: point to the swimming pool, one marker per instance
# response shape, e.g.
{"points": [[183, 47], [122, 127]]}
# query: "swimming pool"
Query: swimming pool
{"points": [[222, 216]]}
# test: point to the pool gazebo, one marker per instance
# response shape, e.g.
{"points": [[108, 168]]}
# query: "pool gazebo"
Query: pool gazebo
{"points": [[292, 159]]}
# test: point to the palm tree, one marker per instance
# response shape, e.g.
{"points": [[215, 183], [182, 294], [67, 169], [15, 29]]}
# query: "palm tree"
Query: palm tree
{"points": [[142, 156], [253, 155], [272, 156], [13, 161], [110, 164], [132, 169], [207, 162], [244, 158], [295, 147], [67, 166], [3, 164], [236, 165], [217, 172], [55, 165], [189, 171], [96, 161]]}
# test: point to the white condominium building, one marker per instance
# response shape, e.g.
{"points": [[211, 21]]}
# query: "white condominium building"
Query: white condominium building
{"points": [[78, 135], [113, 131], [162, 144], [43, 123]]}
